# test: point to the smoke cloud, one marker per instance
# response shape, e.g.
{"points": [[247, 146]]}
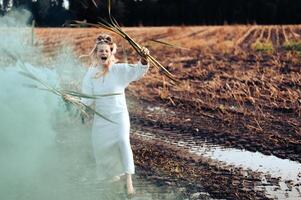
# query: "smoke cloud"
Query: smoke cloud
{"points": [[45, 151]]}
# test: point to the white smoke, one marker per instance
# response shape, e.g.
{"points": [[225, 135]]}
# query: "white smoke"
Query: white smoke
{"points": [[31, 120]]}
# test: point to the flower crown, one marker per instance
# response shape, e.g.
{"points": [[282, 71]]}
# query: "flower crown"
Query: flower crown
{"points": [[104, 38]]}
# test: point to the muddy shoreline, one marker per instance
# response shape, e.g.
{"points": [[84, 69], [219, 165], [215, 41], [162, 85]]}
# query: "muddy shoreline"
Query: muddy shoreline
{"points": [[196, 173], [209, 129]]}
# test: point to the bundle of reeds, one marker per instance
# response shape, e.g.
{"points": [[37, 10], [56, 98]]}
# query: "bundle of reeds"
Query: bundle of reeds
{"points": [[113, 26], [70, 97]]}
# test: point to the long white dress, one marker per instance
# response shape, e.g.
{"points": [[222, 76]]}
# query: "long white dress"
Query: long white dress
{"points": [[111, 143]]}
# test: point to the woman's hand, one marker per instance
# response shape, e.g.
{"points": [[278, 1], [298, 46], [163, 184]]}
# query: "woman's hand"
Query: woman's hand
{"points": [[145, 53], [69, 98]]}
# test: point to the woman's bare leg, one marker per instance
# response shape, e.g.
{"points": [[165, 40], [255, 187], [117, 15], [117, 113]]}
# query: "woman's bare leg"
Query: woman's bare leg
{"points": [[129, 185]]}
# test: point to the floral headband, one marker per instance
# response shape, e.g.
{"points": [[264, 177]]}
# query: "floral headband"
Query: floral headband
{"points": [[103, 38]]}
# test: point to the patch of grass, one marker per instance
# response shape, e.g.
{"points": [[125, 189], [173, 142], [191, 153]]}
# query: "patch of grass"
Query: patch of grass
{"points": [[292, 46], [263, 46]]}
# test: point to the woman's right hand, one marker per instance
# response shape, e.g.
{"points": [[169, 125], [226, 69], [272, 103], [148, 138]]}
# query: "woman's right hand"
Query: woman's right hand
{"points": [[67, 98]]}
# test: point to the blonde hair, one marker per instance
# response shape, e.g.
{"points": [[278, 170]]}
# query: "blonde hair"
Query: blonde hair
{"points": [[102, 39]]}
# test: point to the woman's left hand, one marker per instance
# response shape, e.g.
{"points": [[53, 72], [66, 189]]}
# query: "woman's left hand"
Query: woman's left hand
{"points": [[145, 53]]}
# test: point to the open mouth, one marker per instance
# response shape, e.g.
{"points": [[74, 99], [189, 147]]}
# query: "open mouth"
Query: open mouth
{"points": [[103, 58]]}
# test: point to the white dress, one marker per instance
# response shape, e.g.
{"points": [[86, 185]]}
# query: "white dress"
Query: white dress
{"points": [[111, 142]]}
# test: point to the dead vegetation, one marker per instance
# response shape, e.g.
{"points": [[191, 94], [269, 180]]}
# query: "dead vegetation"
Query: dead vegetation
{"points": [[251, 80], [240, 85]]}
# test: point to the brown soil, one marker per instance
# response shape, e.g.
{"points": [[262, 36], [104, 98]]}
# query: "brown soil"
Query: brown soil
{"points": [[242, 99]]}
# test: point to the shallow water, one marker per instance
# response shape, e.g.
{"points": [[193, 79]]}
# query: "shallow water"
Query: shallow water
{"points": [[75, 154], [284, 169], [288, 172]]}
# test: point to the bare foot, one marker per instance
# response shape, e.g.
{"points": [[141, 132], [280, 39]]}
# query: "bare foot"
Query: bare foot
{"points": [[130, 190], [129, 186]]}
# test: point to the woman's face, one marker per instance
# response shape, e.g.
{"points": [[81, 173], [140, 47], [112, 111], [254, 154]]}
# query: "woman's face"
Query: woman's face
{"points": [[103, 53]]}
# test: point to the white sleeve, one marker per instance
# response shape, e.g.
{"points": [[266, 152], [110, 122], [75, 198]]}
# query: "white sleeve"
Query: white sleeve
{"points": [[133, 72], [87, 88]]}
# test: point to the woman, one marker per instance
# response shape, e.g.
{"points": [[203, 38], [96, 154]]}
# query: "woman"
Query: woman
{"points": [[111, 144]]}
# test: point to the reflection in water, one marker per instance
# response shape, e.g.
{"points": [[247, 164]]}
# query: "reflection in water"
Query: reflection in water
{"points": [[289, 172]]}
